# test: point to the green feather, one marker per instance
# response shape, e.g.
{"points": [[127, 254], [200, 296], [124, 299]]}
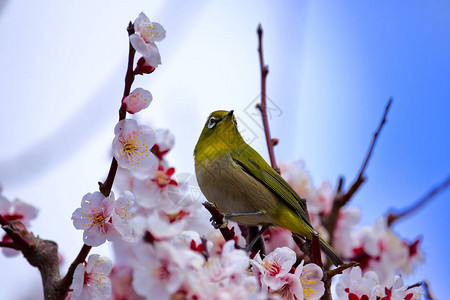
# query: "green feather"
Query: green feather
{"points": [[252, 163]]}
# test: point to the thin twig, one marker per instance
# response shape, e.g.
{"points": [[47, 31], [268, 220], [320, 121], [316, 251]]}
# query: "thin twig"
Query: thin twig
{"points": [[105, 187], [342, 268], [328, 276], [67, 280], [263, 105], [340, 198], [217, 217], [253, 230], [428, 294], [304, 246], [393, 217], [418, 284], [360, 179]]}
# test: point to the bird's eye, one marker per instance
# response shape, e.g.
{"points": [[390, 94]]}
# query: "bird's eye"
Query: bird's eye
{"points": [[211, 122]]}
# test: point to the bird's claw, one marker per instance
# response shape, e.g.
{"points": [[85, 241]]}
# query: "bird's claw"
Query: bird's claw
{"points": [[219, 225]]}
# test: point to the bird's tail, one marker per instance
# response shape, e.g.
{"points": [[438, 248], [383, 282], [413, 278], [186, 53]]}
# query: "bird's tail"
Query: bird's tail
{"points": [[331, 253]]}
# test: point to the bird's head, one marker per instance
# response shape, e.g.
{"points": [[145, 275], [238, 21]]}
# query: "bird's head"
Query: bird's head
{"points": [[219, 135]]}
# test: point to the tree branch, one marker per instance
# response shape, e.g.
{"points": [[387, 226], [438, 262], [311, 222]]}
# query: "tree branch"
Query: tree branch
{"points": [[304, 246], [393, 217], [10, 245], [40, 253], [253, 230], [340, 198], [342, 268], [315, 250], [217, 217], [67, 280], [328, 276], [263, 105], [360, 179], [428, 294], [105, 187]]}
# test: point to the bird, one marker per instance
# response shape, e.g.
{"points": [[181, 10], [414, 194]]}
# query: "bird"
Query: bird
{"points": [[243, 187]]}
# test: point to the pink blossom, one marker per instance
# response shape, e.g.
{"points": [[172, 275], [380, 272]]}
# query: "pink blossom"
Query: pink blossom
{"points": [[16, 210], [273, 269], [164, 226], [91, 279], [164, 143], [311, 281], [102, 218], [381, 250], [122, 279], [163, 268], [276, 237], [132, 146], [319, 199], [352, 282], [305, 283], [137, 100], [144, 38], [344, 238], [151, 192], [232, 264]]}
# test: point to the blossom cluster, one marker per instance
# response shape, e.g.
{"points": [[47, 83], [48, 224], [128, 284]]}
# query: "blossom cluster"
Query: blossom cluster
{"points": [[376, 248], [354, 285], [166, 248]]}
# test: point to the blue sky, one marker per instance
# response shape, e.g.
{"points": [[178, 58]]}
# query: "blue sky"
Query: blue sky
{"points": [[333, 67]]}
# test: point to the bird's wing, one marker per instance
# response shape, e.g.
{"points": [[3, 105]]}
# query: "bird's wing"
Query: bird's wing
{"points": [[252, 163]]}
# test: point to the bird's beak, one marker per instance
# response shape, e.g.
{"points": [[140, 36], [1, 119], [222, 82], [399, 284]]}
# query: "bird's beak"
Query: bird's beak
{"points": [[230, 113]]}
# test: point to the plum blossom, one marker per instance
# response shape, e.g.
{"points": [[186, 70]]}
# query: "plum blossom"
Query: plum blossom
{"points": [[137, 100], [353, 285], [320, 198], [16, 210], [91, 279], [344, 238], [132, 146], [273, 269], [121, 279], [223, 276], [103, 218], [311, 281], [232, 264], [381, 250], [398, 291], [164, 226], [164, 142], [151, 192], [162, 269], [275, 237], [144, 38]]}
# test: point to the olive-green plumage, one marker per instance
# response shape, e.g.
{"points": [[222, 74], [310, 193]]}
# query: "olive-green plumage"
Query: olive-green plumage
{"points": [[232, 175]]}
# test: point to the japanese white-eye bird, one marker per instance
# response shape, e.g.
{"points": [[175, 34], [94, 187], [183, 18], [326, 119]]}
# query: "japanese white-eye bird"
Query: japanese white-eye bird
{"points": [[234, 177]]}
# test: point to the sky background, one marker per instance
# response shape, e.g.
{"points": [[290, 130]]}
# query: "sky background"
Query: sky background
{"points": [[333, 66]]}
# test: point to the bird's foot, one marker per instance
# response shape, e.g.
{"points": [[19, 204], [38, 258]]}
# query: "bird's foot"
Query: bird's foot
{"points": [[219, 225]]}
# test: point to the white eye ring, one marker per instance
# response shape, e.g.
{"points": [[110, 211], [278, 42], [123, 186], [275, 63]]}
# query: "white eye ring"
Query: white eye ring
{"points": [[211, 122]]}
